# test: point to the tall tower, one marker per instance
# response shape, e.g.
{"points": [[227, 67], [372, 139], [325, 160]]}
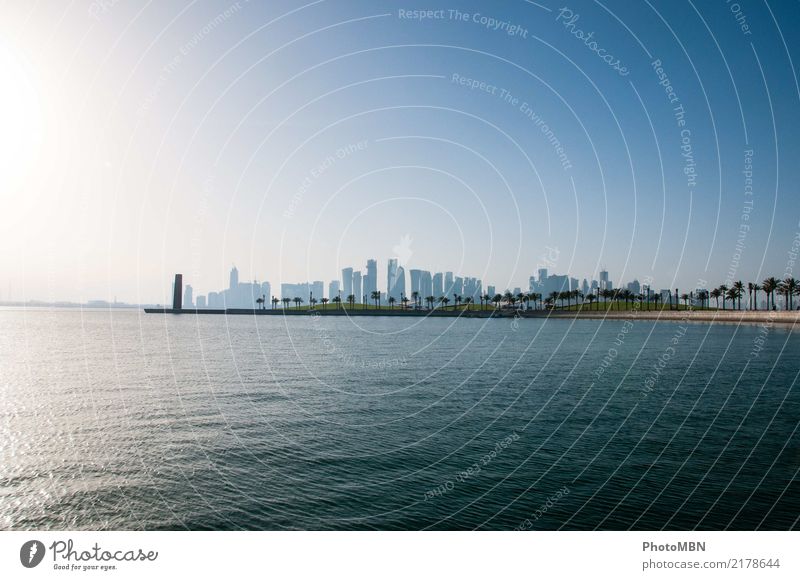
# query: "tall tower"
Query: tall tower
{"points": [[347, 283], [177, 292], [391, 279], [234, 278], [371, 278]]}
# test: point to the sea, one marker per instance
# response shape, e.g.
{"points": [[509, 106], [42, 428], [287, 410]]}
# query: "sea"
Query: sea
{"points": [[121, 420]]}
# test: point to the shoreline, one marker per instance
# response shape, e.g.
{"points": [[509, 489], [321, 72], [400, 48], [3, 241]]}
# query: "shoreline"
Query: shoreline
{"points": [[728, 316]]}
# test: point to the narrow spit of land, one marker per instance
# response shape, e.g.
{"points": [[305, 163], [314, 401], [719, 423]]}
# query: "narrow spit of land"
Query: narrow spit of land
{"points": [[687, 314]]}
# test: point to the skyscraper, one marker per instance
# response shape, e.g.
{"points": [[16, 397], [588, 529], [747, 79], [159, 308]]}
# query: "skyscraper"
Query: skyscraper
{"points": [[425, 285], [347, 283], [357, 289], [416, 279], [188, 300], [234, 278], [177, 292], [438, 285], [316, 288], [604, 280], [400, 286], [333, 289], [448, 284], [371, 279], [391, 277]]}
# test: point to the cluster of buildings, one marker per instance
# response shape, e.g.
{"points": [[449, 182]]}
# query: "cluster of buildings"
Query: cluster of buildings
{"points": [[360, 285]]}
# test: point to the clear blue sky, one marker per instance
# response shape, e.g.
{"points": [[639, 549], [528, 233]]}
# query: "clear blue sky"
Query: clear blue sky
{"points": [[294, 140]]}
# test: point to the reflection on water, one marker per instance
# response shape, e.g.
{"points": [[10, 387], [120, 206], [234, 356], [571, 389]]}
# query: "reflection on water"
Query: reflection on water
{"points": [[120, 420]]}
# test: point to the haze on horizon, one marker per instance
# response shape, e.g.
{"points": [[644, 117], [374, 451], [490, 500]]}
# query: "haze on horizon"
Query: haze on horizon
{"points": [[297, 139]]}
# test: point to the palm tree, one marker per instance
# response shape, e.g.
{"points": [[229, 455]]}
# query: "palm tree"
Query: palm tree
{"points": [[376, 296], [286, 302], [790, 287], [739, 287], [756, 289], [430, 300], [553, 297], [703, 297], [275, 302], [723, 291], [444, 300], [338, 301], [732, 294], [497, 299], [260, 302], [769, 286], [590, 299], [521, 298], [415, 297], [715, 294], [392, 300], [404, 301], [685, 298], [467, 301], [351, 300], [486, 299], [750, 295], [536, 297], [297, 301], [324, 302]]}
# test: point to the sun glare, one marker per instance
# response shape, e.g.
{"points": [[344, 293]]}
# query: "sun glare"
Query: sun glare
{"points": [[20, 120]]}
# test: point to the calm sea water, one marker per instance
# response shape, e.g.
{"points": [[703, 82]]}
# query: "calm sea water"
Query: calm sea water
{"points": [[121, 420]]}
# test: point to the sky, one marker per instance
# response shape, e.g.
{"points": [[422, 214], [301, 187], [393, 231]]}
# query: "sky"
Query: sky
{"points": [[657, 140]]}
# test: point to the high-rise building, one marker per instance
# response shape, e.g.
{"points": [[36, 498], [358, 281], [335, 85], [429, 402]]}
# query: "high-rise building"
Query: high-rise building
{"points": [[391, 279], [491, 291], [357, 287], [532, 284], [316, 289], [266, 292], [215, 300], [585, 287], [333, 289], [188, 300], [371, 279], [448, 284], [201, 301], [604, 282], [400, 286], [347, 283], [573, 284], [542, 276], [416, 280], [634, 287], [177, 292], [425, 285], [438, 285], [234, 278], [458, 286]]}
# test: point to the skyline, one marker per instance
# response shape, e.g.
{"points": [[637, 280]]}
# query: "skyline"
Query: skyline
{"points": [[286, 138]]}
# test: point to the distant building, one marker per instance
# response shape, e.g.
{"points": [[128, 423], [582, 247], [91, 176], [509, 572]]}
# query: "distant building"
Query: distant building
{"points": [[188, 301], [347, 283], [357, 287], [201, 301], [491, 291], [215, 300], [317, 289], [333, 289], [438, 285], [573, 284], [400, 286], [234, 279], [634, 287], [416, 281], [458, 286], [604, 281], [371, 279], [391, 279], [448, 284], [425, 285]]}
